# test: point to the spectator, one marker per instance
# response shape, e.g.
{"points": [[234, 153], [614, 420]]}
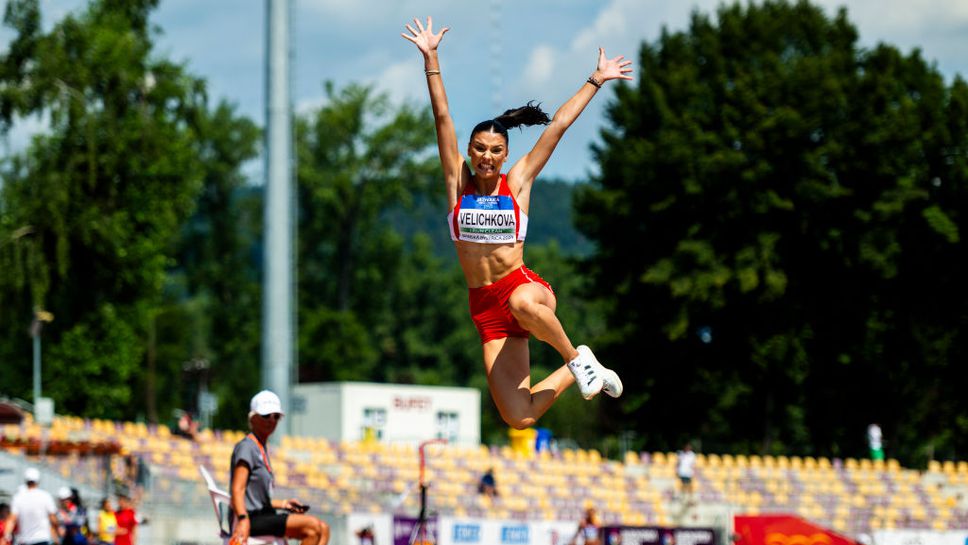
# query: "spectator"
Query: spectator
{"points": [[32, 514], [685, 468], [874, 440], [366, 536], [488, 486], [4, 513], [107, 523], [126, 532], [72, 518], [588, 530], [136, 478], [187, 426], [251, 484]]}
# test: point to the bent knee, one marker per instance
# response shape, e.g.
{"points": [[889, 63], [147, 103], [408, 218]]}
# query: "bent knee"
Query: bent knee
{"points": [[312, 528], [519, 421], [522, 307]]}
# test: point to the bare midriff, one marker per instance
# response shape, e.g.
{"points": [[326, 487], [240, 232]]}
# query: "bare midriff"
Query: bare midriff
{"points": [[485, 264]]}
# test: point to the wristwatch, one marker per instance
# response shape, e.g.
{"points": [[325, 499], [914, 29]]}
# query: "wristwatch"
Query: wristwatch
{"points": [[243, 516]]}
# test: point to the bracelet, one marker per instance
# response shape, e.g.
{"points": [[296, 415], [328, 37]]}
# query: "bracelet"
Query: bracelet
{"points": [[594, 82], [431, 72], [243, 516]]}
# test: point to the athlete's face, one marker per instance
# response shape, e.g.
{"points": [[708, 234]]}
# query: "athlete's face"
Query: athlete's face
{"points": [[488, 152]]}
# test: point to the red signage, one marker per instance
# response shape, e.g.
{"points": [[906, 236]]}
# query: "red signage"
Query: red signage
{"points": [[784, 530], [414, 403]]}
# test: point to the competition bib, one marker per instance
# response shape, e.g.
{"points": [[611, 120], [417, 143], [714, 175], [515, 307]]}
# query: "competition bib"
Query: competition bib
{"points": [[486, 218]]}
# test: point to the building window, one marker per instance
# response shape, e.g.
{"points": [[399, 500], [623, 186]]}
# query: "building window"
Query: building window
{"points": [[374, 420], [448, 425]]}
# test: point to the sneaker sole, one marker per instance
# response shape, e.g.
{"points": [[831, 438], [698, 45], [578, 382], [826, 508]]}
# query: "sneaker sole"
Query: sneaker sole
{"points": [[612, 380]]}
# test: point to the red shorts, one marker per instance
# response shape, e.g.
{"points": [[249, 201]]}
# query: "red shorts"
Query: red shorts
{"points": [[489, 305]]}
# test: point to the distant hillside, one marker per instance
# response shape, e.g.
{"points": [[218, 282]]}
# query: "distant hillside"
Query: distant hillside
{"points": [[550, 219]]}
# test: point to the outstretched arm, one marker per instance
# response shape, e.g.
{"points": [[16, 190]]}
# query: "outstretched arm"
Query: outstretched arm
{"points": [[527, 168], [450, 158]]}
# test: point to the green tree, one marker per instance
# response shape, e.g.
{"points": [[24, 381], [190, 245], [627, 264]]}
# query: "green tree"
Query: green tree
{"points": [[358, 156], [214, 287], [778, 223], [104, 192]]}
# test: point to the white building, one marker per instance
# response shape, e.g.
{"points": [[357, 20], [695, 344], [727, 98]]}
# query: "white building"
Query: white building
{"points": [[391, 413]]}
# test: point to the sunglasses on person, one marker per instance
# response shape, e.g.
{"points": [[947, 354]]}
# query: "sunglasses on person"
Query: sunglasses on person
{"points": [[271, 416]]}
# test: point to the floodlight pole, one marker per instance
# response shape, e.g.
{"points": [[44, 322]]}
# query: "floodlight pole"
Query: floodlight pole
{"points": [[278, 323]]}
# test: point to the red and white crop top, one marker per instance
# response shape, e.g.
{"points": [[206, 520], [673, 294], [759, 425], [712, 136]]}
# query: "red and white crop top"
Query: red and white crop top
{"points": [[488, 219]]}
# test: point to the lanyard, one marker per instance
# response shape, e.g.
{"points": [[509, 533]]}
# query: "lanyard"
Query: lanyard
{"points": [[262, 451]]}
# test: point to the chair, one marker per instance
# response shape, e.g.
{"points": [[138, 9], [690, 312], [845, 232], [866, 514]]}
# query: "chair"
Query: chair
{"points": [[223, 509]]}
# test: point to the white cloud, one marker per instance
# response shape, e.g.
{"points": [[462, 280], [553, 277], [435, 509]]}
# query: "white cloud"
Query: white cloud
{"points": [[888, 16], [403, 81], [540, 66]]}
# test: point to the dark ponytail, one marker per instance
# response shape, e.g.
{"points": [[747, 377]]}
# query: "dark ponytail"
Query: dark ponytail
{"points": [[525, 116]]}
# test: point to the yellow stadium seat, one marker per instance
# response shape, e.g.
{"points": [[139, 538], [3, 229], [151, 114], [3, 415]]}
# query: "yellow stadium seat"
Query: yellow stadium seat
{"points": [[631, 457]]}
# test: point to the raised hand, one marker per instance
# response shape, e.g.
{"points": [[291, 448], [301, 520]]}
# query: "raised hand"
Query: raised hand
{"points": [[612, 68], [425, 38]]}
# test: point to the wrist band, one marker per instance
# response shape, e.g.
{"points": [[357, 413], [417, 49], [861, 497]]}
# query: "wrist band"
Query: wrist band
{"points": [[594, 82], [431, 72]]}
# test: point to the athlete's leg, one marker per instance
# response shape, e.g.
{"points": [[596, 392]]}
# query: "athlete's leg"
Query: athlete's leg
{"points": [[508, 366], [533, 306], [307, 529]]}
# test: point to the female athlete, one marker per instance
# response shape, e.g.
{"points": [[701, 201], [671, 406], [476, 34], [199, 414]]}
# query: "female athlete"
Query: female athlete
{"points": [[488, 219]]}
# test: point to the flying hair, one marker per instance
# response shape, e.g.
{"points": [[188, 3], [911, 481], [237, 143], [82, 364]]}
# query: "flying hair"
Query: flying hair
{"points": [[526, 116]]}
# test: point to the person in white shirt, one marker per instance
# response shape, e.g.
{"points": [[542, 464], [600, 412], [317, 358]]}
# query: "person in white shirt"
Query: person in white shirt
{"points": [[33, 513], [875, 441], [686, 468]]}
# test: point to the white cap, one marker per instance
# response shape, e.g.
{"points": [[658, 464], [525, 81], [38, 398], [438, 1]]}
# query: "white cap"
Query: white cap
{"points": [[265, 402], [64, 493], [31, 475]]}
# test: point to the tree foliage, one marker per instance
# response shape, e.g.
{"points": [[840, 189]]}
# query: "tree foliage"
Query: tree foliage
{"points": [[778, 221], [98, 198]]}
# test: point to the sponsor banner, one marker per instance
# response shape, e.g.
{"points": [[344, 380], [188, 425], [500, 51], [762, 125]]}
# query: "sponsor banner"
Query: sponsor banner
{"points": [[784, 530], [920, 537], [403, 528], [467, 531], [381, 526], [655, 535]]}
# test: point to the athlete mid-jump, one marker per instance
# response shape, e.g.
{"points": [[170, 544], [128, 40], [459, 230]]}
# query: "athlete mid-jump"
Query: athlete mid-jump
{"points": [[488, 221]]}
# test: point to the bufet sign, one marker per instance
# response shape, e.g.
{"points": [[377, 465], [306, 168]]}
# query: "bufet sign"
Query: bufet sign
{"points": [[784, 530]]}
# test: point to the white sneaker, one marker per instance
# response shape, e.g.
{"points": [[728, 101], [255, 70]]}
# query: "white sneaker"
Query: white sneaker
{"points": [[586, 371], [592, 377]]}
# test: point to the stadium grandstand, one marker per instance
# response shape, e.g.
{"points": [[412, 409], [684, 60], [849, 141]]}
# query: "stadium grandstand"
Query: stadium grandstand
{"points": [[851, 496]]}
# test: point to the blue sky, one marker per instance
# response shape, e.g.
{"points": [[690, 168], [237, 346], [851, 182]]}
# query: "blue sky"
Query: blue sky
{"points": [[498, 54]]}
